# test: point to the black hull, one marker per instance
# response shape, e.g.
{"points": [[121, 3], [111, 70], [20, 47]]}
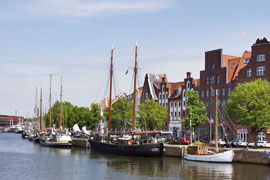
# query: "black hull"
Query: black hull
{"points": [[148, 150]]}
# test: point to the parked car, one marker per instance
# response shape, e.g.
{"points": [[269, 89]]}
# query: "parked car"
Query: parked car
{"points": [[238, 142], [260, 144], [220, 142], [183, 140]]}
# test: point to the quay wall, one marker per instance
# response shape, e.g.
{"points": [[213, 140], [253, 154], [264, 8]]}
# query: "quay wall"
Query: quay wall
{"points": [[240, 155], [250, 156], [80, 142]]}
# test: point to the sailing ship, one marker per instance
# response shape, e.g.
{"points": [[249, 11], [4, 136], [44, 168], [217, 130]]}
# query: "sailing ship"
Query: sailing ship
{"points": [[201, 152], [56, 139], [127, 145]]}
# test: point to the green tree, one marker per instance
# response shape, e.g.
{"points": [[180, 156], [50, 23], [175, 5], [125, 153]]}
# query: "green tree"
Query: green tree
{"points": [[151, 116], [195, 110], [95, 116], [71, 115], [249, 104], [121, 115]]}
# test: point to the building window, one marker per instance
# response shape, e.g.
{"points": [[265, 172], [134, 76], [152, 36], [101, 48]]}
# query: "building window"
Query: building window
{"points": [[159, 96], [166, 104], [188, 85], [163, 88], [166, 95], [218, 79], [207, 93], [171, 104], [260, 71], [223, 91], [260, 57], [212, 92], [163, 96], [229, 91], [175, 104], [212, 79], [249, 73], [202, 93], [223, 102], [212, 104], [207, 80], [246, 61], [179, 114], [261, 136], [179, 103], [184, 103], [175, 114], [217, 92], [171, 114], [213, 65], [206, 103], [218, 102]]}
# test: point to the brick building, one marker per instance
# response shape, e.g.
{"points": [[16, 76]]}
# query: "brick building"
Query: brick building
{"points": [[7, 121], [222, 73]]}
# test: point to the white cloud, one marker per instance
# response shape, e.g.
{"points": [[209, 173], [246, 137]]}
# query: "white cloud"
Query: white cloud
{"points": [[84, 9]]}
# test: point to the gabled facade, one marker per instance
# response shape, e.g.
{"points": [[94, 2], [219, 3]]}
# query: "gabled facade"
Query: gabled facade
{"points": [[173, 96], [151, 85]]}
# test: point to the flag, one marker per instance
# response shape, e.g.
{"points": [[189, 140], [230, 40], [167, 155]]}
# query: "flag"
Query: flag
{"points": [[126, 72]]}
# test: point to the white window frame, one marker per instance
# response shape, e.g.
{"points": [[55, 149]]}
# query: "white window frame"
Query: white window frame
{"points": [[261, 58], [260, 71], [249, 72]]}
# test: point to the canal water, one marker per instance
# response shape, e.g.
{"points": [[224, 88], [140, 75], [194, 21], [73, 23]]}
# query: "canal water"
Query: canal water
{"points": [[22, 159]]}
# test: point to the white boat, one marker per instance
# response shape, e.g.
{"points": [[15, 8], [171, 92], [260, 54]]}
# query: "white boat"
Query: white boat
{"points": [[226, 156]]}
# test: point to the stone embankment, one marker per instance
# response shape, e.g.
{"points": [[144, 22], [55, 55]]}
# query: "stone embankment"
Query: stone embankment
{"points": [[244, 155]]}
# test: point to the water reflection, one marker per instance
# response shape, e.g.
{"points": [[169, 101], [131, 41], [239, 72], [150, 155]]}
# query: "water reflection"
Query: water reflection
{"points": [[33, 161]]}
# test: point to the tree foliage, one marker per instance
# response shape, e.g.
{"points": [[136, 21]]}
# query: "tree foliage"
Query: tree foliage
{"points": [[249, 104], [121, 115], [71, 115], [195, 110], [151, 116]]}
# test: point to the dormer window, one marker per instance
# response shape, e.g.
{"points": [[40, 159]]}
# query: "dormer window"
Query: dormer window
{"points": [[260, 58], [246, 61], [233, 65]]}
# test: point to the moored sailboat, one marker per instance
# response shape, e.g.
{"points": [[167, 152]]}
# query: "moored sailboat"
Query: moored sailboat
{"points": [[201, 153], [127, 145], [60, 138]]}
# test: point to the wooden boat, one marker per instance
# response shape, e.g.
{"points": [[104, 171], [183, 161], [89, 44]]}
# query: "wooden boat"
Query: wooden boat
{"points": [[126, 146], [201, 153], [56, 141]]}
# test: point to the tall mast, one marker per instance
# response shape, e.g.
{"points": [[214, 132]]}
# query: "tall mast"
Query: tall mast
{"points": [[35, 110], [134, 92], [216, 122], [50, 111], [61, 91], [40, 119], [110, 97]]}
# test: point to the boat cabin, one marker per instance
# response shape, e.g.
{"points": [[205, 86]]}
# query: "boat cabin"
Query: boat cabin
{"points": [[198, 150]]}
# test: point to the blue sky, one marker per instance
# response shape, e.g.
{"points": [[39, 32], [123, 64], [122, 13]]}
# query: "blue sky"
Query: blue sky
{"points": [[73, 38]]}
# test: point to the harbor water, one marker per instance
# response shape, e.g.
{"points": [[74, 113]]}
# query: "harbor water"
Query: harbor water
{"points": [[23, 159]]}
